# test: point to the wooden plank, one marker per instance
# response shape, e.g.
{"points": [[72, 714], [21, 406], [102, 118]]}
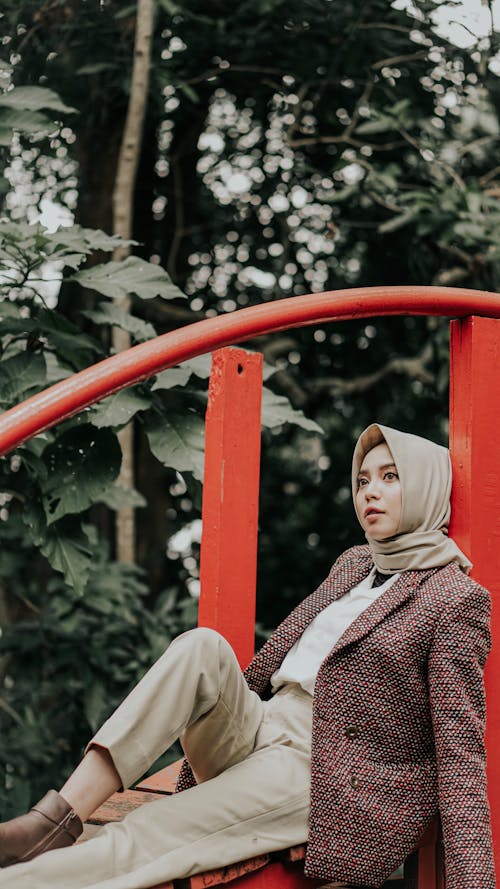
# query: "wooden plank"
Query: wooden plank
{"points": [[120, 804], [295, 853], [228, 558], [271, 875], [163, 781], [475, 449], [227, 874]]}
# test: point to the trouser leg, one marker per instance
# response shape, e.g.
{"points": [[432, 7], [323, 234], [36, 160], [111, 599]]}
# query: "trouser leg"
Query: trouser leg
{"points": [[195, 691], [258, 805]]}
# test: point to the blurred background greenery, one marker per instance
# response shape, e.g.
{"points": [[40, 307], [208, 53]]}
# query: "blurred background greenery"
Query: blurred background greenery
{"points": [[285, 148]]}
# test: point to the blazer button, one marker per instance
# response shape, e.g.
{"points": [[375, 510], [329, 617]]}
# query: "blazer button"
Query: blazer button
{"points": [[354, 781], [352, 731]]}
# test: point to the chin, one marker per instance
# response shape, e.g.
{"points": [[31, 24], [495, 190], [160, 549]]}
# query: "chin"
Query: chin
{"points": [[382, 537]]}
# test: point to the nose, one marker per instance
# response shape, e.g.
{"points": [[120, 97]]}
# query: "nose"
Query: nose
{"points": [[372, 489]]}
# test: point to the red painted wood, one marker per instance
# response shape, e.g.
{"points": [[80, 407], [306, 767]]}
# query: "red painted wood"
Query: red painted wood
{"points": [[474, 443], [163, 781], [121, 804], [276, 875], [70, 396], [228, 561], [232, 873], [427, 870]]}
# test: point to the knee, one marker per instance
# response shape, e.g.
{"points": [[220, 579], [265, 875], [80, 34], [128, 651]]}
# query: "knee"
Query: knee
{"points": [[202, 638]]}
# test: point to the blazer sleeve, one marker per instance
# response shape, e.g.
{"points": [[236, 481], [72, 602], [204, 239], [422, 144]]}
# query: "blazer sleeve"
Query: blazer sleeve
{"points": [[458, 653]]}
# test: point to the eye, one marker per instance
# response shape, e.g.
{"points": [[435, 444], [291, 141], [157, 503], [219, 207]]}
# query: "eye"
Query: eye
{"points": [[362, 482], [391, 475]]}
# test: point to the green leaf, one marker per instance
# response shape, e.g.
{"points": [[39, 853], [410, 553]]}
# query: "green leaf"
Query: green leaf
{"points": [[277, 410], [398, 221], [109, 314], [64, 545], [118, 409], [21, 376], [382, 124], [76, 238], [177, 440], [82, 464], [174, 376], [32, 98], [70, 554], [126, 11], [189, 92], [71, 345], [169, 6], [116, 497], [55, 372], [133, 275], [200, 366], [24, 121], [94, 703], [96, 68]]}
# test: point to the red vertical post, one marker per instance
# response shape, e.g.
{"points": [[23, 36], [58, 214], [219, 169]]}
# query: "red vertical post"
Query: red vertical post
{"points": [[228, 560], [475, 451]]}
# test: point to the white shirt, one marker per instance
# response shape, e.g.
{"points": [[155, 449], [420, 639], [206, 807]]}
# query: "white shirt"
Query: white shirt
{"points": [[304, 659]]}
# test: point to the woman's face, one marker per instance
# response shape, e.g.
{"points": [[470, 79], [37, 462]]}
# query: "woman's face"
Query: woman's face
{"points": [[378, 495]]}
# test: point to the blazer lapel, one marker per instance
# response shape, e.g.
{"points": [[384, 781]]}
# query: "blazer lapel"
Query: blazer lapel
{"points": [[335, 586], [399, 592], [338, 582]]}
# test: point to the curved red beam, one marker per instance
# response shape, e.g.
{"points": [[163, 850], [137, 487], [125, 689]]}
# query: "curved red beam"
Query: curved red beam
{"points": [[70, 396]]}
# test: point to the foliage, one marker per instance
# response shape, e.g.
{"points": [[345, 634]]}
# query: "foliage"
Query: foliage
{"points": [[79, 656], [61, 475], [97, 614]]}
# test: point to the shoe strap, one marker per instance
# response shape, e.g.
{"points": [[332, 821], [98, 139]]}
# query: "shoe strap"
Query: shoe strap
{"points": [[55, 808]]}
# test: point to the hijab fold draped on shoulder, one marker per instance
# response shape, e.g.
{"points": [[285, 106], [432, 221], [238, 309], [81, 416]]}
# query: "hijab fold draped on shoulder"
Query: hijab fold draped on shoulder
{"points": [[424, 470]]}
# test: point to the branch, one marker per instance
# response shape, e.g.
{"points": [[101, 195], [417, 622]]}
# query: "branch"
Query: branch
{"points": [[130, 149], [395, 60], [179, 216], [244, 69], [477, 142], [383, 26], [284, 381], [288, 385], [489, 176], [123, 200], [413, 368], [301, 94], [356, 143], [470, 264], [387, 205], [448, 277]]}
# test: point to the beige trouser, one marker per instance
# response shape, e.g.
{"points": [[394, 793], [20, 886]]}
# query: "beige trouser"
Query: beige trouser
{"points": [[252, 757]]}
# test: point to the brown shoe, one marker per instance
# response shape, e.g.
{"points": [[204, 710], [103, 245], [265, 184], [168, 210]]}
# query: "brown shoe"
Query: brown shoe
{"points": [[50, 824]]}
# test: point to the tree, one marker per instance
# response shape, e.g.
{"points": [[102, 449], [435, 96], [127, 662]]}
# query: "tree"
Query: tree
{"points": [[287, 148]]}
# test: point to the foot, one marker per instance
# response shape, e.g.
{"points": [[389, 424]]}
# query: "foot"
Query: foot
{"points": [[50, 824]]}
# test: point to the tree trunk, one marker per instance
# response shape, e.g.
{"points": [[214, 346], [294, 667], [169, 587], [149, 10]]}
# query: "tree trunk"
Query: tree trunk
{"points": [[123, 198]]}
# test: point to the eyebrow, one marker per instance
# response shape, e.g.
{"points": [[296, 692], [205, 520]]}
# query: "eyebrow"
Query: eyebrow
{"points": [[385, 466]]}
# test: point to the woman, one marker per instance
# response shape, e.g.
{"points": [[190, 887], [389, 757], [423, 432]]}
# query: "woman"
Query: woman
{"points": [[374, 724]]}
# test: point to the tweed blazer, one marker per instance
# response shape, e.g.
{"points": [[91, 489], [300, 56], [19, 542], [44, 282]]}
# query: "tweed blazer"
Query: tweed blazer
{"points": [[398, 725]]}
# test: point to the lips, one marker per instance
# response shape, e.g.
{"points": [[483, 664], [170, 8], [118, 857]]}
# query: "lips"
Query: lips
{"points": [[372, 511]]}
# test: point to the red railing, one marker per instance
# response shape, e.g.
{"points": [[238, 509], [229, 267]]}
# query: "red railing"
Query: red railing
{"points": [[70, 396]]}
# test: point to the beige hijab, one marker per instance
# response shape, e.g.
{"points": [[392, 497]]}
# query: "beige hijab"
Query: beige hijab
{"points": [[424, 470]]}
